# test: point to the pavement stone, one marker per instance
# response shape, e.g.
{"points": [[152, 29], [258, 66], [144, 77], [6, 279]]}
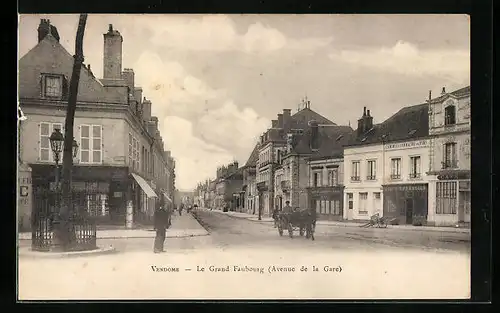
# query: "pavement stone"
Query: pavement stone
{"points": [[349, 224], [182, 226]]}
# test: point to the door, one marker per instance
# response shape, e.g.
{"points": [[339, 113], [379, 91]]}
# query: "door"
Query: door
{"points": [[409, 211], [350, 206]]}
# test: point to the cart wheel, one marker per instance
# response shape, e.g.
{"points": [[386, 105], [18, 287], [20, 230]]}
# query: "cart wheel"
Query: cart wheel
{"points": [[280, 229], [308, 232], [290, 230], [301, 231], [383, 224]]}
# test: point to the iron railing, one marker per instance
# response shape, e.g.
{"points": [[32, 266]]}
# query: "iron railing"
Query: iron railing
{"points": [[81, 222]]}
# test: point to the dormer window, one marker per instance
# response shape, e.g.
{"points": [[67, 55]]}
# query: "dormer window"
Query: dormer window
{"points": [[339, 137], [53, 86], [449, 115], [411, 132]]}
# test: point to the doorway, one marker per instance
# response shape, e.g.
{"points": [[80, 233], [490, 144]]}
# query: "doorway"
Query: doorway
{"points": [[409, 210], [350, 206]]}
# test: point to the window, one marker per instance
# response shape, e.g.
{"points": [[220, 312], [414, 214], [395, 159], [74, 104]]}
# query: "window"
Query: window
{"points": [[363, 197], [91, 144], [318, 206], [45, 151], [317, 179], [449, 115], [323, 207], [450, 155], [372, 170], [332, 178], [396, 168], [414, 167], [355, 176], [446, 198], [335, 207], [53, 85], [130, 150]]}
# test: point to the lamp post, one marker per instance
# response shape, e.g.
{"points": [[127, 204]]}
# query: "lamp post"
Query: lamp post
{"points": [[56, 144]]}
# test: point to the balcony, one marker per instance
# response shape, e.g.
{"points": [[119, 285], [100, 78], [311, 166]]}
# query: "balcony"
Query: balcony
{"points": [[449, 164], [415, 176], [395, 176], [371, 177], [285, 185], [355, 178]]}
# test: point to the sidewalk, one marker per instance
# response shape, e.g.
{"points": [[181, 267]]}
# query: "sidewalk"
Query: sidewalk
{"points": [[255, 218], [182, 226]]}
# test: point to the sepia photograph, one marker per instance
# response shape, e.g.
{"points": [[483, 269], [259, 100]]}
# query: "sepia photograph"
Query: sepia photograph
{"points": [[243, 157]]}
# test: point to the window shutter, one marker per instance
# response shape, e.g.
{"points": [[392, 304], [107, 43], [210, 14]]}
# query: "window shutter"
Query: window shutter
{"points": [[41, 87]]}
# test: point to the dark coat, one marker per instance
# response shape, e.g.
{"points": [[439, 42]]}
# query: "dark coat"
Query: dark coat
{"points": [[162, 219]]}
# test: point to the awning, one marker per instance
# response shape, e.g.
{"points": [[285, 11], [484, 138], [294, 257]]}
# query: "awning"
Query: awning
{"points": [[167, 197], [144, 186]]}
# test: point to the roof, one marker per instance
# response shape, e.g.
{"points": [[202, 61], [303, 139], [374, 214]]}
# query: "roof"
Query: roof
{"points": [[307, 114], [459, 93], [254, 156], [331, 141], [409, 123]]}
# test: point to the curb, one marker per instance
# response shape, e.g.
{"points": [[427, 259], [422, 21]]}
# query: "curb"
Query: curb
{"points": [[455, 231], [136, 237], [57, 255], [202, 224]]}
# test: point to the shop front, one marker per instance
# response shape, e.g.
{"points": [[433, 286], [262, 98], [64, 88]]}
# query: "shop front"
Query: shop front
{"points": [[327, 201], [452, 198], [406, 203]]}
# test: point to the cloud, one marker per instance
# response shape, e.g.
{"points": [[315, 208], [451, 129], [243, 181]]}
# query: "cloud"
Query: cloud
{"points": [[405, 58], [202, 127], [217, 33], [195, 159]]}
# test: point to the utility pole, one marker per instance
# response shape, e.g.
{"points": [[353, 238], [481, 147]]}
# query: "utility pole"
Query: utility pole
{"points": [[67, 203]]}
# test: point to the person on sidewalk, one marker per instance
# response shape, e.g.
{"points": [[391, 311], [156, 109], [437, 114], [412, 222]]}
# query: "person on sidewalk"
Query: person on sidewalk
{"points": [[287, 208], [275, 215], [161, 224]]}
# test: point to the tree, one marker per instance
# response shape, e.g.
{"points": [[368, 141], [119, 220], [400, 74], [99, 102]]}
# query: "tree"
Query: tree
{"points": [[67, 203]]}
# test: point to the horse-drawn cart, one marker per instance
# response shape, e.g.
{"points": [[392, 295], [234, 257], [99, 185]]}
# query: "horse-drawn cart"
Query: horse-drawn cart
{"points": [[303, 221]]}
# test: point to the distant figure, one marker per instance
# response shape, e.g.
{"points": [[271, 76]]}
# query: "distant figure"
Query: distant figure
{"points": [[275, 216], [162, 222], [287, 208], [181, 208]]}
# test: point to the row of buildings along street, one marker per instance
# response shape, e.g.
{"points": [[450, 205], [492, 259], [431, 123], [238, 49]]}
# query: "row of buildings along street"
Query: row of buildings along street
{"points": [[412, 168], [121, 165]]}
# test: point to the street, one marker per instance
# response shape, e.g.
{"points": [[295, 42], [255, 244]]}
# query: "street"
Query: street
{"points": [[242, 259]]}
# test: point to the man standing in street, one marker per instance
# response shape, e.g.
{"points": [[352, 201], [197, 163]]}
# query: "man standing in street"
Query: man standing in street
{"points": [[287, 208], [161, 225]]}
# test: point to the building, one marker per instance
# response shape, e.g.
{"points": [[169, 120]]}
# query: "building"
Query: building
{"points": [[250, 194], [228, 187], [121, 165], [305, 177], [273, 144], [449, 187], [385, 169]]}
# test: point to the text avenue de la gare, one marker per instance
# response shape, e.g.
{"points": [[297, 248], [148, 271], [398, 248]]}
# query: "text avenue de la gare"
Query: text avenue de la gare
{"points": [[255, 269]]}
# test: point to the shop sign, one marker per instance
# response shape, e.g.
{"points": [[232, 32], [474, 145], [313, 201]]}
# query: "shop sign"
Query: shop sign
{"points": [[406, 188], [411, 144], [453, 176]]}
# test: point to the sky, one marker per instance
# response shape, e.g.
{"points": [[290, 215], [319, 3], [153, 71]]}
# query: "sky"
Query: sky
{"points": [[217, 81]]}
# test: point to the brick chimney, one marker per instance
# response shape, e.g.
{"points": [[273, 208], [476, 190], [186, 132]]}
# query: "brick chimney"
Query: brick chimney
{"points": [[287, 113], [361, 123], [129, 77], [46, 28], [113, 41], [274, 123], [280, 120], [138, 94], [368, 121], [314, 140]]}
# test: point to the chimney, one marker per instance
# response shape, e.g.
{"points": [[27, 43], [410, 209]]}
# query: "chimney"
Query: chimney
{"points": [[364, 111], [138, 94], [274, 123], [361, 125], [146, 110], [129, 77], [314, 141], [368, 121], [46, 28], [154, 119], [443, 91], [280, 120], [286, 117], [113, 41]]}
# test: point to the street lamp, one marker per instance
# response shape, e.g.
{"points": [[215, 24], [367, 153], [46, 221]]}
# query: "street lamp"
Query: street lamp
{"points": [[56, 143]]}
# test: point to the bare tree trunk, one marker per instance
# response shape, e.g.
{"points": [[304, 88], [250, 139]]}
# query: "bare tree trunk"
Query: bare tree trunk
{"points": [[67, 203]]}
